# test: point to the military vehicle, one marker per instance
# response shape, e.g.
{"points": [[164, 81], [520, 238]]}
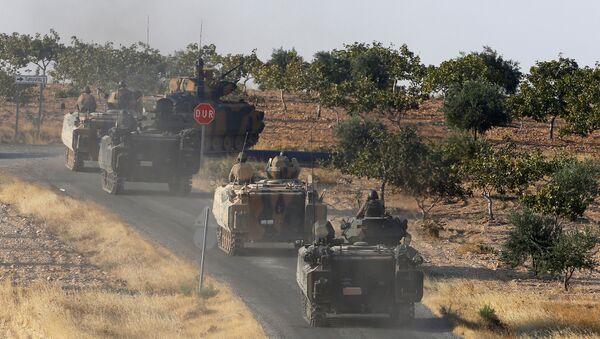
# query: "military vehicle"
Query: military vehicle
{"points": [[151, 153], [81, 134], [280, 208], [236, 122], [371, 270]]}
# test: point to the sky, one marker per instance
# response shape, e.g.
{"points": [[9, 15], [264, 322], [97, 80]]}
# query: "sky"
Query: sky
{"points": [[525, 30]]}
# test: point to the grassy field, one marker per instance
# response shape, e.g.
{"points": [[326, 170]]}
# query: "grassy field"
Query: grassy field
{"points": [[159, 298], [495, 309]]}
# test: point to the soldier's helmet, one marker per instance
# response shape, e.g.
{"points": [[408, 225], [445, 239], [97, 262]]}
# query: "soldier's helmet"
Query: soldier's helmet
{"points": [[373, 195], [87, 90]]}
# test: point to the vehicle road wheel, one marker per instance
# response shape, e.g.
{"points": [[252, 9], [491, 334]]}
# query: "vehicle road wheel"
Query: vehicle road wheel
{"points": [[403, 314], [229, 243], [180, 186], [111, 183], [73, 160], [313, 314]]}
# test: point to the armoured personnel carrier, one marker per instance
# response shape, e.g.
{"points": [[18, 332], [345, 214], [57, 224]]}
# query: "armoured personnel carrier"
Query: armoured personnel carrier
{"points": [[236, 122], [151, 153], [371, 270], [81, 134], [280, 208]]}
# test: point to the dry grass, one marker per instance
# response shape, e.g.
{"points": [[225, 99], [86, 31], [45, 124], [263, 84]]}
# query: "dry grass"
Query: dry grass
{"points": [[28, 134], [523, 312], [159, 302]]}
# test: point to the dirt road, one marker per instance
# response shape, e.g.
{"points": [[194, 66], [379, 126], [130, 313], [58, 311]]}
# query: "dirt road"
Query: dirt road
{"points": [[265, 279]]}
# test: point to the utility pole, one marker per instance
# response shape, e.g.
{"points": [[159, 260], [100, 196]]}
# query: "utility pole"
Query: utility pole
{"points": [[148, 31]]}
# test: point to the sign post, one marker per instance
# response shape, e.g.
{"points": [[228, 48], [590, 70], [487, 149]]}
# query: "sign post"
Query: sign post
{"points": [[204, 114], [21, 79], [201, 278]]}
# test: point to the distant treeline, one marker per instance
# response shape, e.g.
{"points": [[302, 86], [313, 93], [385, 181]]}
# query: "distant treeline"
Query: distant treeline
{"points": [[364, 79]]}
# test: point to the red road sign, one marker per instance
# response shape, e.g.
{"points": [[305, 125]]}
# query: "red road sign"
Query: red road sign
{"points": [[204, 114]]}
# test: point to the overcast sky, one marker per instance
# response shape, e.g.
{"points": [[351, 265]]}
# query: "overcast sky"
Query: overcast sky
{"points": [[525, 31]]}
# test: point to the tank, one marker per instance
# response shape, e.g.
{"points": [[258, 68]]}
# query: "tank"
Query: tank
{"points": [[371, 269], [237, 123], [148, 154], [276, 209], [81, 135]]}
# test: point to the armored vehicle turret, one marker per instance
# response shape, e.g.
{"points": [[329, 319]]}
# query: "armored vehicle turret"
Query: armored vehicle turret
{"points": [[276, 209], [372, 269], [236, 122]]}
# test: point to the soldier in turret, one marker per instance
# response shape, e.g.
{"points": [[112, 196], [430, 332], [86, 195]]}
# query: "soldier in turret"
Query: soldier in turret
{"points": [[123, 98], [281, 167], [242, 172], [373, 207], [86, 103]]}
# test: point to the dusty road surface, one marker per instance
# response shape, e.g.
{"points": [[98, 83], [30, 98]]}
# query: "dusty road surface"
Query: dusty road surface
{"points": [[264, 279]]}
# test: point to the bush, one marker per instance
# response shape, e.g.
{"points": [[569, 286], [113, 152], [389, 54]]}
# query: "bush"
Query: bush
{"points": [[70, 92], [476, 106], [571, 189], [488, 314], [532, 237], [573, 251]]}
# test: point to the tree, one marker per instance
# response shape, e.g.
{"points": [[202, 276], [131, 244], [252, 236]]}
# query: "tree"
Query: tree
{"points": [[475, 106], [183, 62], [240, 67], [486, 65], [545, 90], [367, 149], [432, 179], [105, 65], [574, 250], [384, 81], [367, 79], [283, 71], [324, 79], [531, 237], [571, 189], [503, 171], [583, 103], [40, 50]]}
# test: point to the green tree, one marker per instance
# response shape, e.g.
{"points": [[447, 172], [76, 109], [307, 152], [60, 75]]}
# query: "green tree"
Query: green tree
{"points": [[503, 171], [385, 81], [545, 90], [367, 149], [486, 65], [183, 62], [325, 78], [568, 193], [431, 179], [583, 103], [284, 71], [105, 65], [574, 250], [475, 106], [531, 237], [240, 67], [20, 50]]}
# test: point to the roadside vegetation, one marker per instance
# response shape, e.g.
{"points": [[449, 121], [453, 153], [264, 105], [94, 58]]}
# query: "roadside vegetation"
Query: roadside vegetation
{"points": [[499, 164], [159, 295]]}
